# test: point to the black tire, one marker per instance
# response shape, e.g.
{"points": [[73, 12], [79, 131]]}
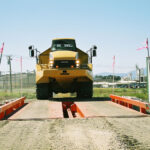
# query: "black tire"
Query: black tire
{"points": [[43, 91], [50, 94], [79, 95], [85, 90]]}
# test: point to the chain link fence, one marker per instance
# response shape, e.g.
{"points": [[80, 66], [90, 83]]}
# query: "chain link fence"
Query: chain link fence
{"points": [[102, 88], [14, 80]]}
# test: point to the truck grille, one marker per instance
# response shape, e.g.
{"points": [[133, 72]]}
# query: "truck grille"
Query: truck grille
{"points": [[64, 63]]}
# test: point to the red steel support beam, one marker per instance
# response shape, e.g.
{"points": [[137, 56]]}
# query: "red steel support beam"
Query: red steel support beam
{"points": [[8, 108], [130, 102]]}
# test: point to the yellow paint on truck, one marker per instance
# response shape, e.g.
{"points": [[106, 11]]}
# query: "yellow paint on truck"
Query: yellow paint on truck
{"points": [[64, 68]]}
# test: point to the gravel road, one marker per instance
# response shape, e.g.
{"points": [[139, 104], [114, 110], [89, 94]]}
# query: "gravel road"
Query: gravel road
{"points": [[132, 127], [114, 128]]}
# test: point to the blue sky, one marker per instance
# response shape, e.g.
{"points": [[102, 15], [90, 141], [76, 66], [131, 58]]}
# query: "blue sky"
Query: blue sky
{"points": [[117, 27]]}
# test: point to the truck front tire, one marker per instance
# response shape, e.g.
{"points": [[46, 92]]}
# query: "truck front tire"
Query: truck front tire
{"points": [[85, 90], [43, 91]]}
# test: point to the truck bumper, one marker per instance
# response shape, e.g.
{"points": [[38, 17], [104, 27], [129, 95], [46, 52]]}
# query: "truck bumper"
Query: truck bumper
{"points": [[63, 75]]}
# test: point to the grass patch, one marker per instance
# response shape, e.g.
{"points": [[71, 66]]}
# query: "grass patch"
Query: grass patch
{"points": [[28, 93], [105, 92], [98, 92]]}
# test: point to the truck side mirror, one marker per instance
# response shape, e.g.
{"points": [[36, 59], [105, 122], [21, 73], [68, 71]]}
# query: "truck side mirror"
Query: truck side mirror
{"points": [[94, 47], [94, 50], [94, 53], [30, 47], [31, 53]]}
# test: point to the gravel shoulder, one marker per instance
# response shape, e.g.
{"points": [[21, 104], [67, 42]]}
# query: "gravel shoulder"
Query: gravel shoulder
{"points": [[116, 128], [132, 127], [56, 134]]}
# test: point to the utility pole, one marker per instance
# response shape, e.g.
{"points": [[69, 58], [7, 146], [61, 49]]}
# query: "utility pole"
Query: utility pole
{"points": [[148, 69], [21, 75], [138, 71], [9, 59], [113, 65]]}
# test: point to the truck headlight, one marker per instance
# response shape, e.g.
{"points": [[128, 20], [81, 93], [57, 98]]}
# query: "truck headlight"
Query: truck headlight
{"points": [[51, 63], [77, 63]]}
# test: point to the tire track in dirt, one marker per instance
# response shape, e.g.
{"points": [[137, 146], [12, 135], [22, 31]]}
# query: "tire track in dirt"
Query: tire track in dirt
{"points": [[113, 133], [131, 127], [65, 134]]}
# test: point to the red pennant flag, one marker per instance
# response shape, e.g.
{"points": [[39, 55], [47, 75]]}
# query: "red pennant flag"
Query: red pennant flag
{"points": [[147, 43], [144, 46], [1, 50], [141, 48], [113, 62], [21, 63]]}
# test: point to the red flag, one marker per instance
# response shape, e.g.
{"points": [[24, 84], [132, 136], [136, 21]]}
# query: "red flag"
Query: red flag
{"points": [[1, 50], [141, 48], [21, 63], [144, 46], [147, 43], [113, 62]]}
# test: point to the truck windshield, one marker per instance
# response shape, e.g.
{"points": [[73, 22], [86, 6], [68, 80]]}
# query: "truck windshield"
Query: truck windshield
{"points": [[63, 45]]}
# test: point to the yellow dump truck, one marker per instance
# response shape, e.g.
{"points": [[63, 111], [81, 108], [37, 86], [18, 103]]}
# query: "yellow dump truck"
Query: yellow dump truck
{"points": [[63, 68]]}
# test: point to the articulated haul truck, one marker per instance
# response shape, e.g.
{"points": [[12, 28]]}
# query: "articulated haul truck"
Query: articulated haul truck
{"points": [[63, 68]]}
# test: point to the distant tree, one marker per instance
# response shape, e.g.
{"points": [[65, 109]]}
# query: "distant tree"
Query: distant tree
{"points": [[108, 78]]}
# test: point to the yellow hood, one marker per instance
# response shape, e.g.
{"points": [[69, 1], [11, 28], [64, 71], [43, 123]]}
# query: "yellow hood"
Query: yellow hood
{"points": [[64, 55]]}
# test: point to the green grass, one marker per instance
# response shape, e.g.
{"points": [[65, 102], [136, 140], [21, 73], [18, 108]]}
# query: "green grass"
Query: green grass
{"points": [[98, 92], [28, 93], [105, 92]]}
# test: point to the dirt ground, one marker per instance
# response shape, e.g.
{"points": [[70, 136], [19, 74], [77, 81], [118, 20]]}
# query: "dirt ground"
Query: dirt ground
{"points": [[132, 127], [113, 128], [59, 134]]}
